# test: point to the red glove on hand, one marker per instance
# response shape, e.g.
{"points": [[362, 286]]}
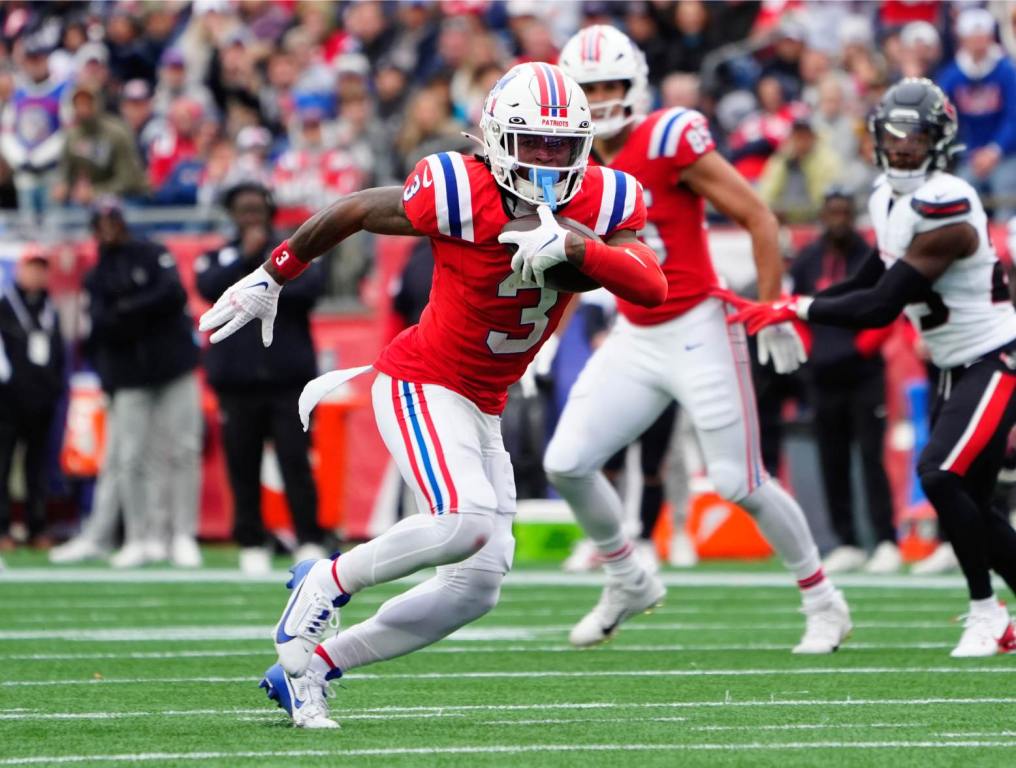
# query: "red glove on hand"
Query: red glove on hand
{"points": [[758, 315]]}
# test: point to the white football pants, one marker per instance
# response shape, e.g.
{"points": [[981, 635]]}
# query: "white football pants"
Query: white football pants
{"points": [[704, 364]]}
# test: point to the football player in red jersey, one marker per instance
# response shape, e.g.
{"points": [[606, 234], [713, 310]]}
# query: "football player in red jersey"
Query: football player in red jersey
{"points": [[442, 383], [680, 349]]}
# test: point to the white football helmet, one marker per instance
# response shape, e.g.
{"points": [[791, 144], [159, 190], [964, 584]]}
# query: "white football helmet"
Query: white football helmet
{"points": [[536, 109], [600, 53]]}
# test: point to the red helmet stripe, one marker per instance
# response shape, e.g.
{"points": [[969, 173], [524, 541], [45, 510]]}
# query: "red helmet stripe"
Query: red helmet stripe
{"points": [[541, 80], [562, 99]]}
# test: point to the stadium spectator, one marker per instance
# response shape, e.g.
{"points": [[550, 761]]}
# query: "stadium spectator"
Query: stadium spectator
{"points": [[836, 121], [32, 380], [794, 179], [143, 337], [428, 127], [681, 89], [173, 84], [847, 377], [757, 136], [136, 110], [251, 163], [258, 386], [277, 97], [785, 64], [99, 156], [235, 83], [981, 83], [92, 70], [31, 136], [177, 142], [921, 50]]}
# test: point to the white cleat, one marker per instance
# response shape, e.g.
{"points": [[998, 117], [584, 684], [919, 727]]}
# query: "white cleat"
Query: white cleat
{"points": [[885, 559], [131, 555], [682, 551], [76, 550], [985, 634], [618, 603], [307, 614], [584, 558], [309, 551], [305, 698], [827, 625], [844, 560], [942, 560], [255, 561], [184, 552]]}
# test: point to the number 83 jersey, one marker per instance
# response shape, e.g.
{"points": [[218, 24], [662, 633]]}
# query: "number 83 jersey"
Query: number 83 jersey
{"points": [[483, 325], [969, 312]]}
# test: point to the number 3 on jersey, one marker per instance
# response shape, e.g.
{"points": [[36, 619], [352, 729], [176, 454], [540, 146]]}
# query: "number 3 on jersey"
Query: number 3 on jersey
{"points": [[501, 343]]}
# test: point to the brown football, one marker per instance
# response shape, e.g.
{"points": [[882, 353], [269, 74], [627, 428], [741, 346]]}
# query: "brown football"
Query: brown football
{"points": [[564, 277]]}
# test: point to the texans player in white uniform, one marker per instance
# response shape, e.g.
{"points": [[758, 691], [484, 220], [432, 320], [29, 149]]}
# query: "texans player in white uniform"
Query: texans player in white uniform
{"points": [[680, 350], [935, 262]]}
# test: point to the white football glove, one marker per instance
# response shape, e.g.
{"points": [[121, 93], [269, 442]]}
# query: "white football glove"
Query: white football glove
{"points": [[538, 249], [255, 296], [783, 346]]}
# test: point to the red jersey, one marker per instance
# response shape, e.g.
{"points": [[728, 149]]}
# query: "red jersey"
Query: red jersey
{"points": [[656, 151], [483, 325]]}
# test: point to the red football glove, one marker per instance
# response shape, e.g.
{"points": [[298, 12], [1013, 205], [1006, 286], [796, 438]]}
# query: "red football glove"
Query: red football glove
{"points": [[758, 315]]}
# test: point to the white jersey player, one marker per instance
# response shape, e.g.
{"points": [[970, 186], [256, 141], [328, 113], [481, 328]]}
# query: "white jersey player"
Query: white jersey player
{"points": [[935, 263], [680, 350]]}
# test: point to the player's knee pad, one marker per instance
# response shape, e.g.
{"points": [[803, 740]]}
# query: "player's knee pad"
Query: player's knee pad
{"points": [[938, 485], [473, 592], [463, 534], [565, 459], [729, 479]]}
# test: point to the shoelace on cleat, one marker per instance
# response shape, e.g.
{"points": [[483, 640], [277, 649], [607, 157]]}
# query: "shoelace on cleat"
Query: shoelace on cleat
{"points": [[320, 615], [318, 692]]}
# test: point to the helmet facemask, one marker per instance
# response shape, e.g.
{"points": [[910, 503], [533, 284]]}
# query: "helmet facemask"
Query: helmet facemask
{"points": [[537, 151]]}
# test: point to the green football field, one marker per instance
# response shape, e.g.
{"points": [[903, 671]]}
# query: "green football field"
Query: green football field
{"points": [[158, 668]]}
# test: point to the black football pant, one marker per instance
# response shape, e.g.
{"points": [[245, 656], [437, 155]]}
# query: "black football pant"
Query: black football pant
{"points": [[29, 427], [958, 469], [653, 443], [844, 417], [248, 420]]}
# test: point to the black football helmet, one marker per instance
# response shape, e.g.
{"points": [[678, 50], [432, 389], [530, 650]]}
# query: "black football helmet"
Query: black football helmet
{"points": [[914, 110]]}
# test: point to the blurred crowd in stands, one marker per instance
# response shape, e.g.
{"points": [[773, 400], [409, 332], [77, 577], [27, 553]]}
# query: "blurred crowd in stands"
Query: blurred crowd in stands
{"points": [[170, 103], [173, 105]]}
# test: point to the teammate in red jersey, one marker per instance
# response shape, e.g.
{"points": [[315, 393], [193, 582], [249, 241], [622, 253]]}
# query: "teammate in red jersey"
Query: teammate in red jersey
{"points": [[680, 349], [441, 384]]}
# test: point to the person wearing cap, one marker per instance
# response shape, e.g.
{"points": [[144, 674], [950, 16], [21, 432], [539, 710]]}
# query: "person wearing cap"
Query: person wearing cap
{"points": [[846, 377], [258, 386], [920, 49], [795, 177], [31, 136], [92, 65], [981, 83], [136, 111], [145, 350], [32, 381], [99, 157], [172, 83]]}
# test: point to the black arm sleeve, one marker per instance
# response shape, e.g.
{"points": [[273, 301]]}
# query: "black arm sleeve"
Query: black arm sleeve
{"points": [[871, 269], [872, 307]]}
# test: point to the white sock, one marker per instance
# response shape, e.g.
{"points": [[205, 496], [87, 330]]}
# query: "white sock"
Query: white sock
{"points": [[987, 605], [784, 526], [425, 614]]}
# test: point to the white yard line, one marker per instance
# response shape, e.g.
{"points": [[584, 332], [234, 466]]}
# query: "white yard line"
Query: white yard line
{"points": [[500, 675], [507, 749], [438, 710], [612, 648], [484, 631], [541, 578]]}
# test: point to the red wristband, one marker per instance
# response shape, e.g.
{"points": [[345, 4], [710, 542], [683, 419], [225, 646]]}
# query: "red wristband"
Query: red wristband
{"points": [[286, 263]]}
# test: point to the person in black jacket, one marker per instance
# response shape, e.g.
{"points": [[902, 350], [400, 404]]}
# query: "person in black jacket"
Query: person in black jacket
{"points": [[847, 375], [258, 387], [146, 353], [31, 383]]}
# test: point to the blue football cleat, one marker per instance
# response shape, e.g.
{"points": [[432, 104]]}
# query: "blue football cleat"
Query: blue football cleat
{"points": [[305, 698], [307, 613]]}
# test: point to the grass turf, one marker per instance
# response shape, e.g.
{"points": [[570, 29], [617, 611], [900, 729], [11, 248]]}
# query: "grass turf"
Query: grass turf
{"points": [[159, 673]]}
